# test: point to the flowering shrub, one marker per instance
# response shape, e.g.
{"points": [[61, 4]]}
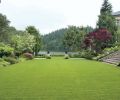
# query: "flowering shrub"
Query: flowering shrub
{"points": [[28, 56]]}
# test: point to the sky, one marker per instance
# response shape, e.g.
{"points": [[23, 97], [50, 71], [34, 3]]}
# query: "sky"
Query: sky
{"points": [[50, 15]]}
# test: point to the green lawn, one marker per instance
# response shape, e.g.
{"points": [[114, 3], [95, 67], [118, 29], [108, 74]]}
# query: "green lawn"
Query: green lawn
{"points": [[60, 79]]}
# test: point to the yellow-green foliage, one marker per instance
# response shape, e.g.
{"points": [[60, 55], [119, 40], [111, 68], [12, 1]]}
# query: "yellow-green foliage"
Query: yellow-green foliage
{"points": [[5, 48]]}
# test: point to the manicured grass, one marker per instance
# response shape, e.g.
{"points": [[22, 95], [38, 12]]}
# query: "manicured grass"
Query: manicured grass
{"points": [[60, 79]]}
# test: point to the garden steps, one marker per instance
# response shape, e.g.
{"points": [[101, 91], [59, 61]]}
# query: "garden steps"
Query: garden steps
{"points": [[113, 58], [112, 61]]}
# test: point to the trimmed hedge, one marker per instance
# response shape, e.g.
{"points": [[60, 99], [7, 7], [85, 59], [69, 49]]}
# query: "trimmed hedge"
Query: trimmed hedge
{"points": [[66, 56], [48, 56]]}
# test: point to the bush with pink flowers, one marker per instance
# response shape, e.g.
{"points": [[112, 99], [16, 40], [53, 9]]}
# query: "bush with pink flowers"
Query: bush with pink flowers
{"points": [[28, 56]]}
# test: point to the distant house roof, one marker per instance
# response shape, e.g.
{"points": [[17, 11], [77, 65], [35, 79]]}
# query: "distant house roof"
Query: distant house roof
{"points": [[116, 13]]}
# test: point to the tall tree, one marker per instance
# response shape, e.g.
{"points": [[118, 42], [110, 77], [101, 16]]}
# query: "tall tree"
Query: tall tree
{"points": [[23, 42], [106, 19], [73, 38], [33, 31], [4, 24], [106, 7]]}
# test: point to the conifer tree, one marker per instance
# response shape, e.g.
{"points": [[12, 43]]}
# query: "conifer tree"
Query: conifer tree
{"points": [[107, 20]]}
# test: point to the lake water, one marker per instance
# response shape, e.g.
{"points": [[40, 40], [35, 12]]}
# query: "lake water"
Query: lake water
{"points": [[57, 53]]}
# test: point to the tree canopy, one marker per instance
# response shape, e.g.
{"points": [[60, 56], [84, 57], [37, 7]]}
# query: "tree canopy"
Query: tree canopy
{"points": [[33, 31], [74, 36], [4, 24]]}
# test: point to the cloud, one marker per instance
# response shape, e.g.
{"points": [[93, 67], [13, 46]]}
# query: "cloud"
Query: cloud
{"points": [[49, 15]]}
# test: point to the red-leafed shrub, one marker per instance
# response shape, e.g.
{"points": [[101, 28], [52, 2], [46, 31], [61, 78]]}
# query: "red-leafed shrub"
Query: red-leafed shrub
{"points": [[101, 35], [98, 39], [88, 41], [28, 56]]}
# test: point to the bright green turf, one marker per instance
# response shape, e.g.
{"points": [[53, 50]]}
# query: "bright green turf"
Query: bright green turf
{"points": [[60, 79]]}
